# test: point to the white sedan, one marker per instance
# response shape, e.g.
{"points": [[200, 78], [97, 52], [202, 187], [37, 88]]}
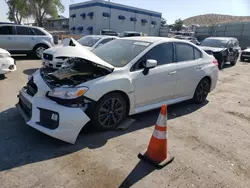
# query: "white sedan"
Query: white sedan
{"points": [[123, 77], [7, 63], [55, 57]]}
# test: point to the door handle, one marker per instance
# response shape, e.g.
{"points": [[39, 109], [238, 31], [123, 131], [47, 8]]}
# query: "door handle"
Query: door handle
{"points": [[199, 67], [9, 38], [172, 73], [32, 38]]}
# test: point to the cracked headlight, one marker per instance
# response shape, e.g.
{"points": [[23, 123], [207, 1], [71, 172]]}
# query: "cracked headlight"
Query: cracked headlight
{"points": [[68, 93]]}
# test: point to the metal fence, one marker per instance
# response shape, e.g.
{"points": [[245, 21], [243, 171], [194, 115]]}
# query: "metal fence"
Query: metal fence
{"points": [[241, 31]]}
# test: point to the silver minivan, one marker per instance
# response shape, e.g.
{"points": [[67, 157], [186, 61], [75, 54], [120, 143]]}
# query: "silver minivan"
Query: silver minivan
{"points": [[21, 39]]}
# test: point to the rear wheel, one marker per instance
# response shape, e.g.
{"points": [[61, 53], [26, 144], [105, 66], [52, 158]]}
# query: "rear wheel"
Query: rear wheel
{"points": [[38, 50], [202, 91], [109, 111]]}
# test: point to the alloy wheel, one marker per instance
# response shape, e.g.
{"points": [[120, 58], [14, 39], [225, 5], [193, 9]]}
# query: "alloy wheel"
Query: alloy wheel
{"points": [[39, 51], [202, 90], [111, 112]]}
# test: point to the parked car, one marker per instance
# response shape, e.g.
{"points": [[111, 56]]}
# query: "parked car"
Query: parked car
{"points": [[130, 34], [56, 56], [192, 39], [102, 86], [245, 54], [20, 39], [7, 63], [108, 32], [224, 49]]}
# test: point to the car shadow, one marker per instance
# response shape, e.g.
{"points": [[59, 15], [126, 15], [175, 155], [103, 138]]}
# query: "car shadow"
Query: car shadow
{"points": [[21, 144], [23, 57], [2, 77], [29, 71]]}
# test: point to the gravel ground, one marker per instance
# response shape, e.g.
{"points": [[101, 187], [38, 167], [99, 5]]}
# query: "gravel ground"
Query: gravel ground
{"points": [[210, 143]]}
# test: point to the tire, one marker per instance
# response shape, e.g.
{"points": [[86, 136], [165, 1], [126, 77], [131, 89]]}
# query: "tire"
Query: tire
{"points": [[38, 50], [201, 91], [221, 64], [242, 59], [109, 111], [235, 61]]}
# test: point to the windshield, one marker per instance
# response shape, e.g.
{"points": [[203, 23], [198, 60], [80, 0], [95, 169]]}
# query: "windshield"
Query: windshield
{"points": [[120, 52], [88, 41], [214, 43]]}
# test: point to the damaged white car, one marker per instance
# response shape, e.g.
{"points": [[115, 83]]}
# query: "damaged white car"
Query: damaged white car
{"points": [[7, 63], [56, 56], [123, 77]]}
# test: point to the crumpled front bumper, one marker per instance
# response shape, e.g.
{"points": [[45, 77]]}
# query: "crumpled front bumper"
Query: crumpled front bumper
{"points": [[45, 115]]}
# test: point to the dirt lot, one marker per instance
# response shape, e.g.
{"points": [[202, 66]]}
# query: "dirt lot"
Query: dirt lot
{"points": [[211, 143]]}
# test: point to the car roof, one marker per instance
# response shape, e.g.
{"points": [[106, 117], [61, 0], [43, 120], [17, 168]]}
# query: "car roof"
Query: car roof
{"points": [[152, 39], [221, 38]]}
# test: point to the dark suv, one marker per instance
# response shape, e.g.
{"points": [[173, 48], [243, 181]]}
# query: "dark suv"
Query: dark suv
{"points": [[224, 49]]}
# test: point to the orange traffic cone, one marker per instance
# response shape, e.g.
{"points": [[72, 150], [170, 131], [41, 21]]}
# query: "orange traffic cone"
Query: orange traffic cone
{"points": [[157, 152]]}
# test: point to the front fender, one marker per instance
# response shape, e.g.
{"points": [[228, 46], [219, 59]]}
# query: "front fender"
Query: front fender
{"points": [[103, 86]]}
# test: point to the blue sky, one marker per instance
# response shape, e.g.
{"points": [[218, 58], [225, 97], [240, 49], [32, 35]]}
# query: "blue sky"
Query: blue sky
{"points": [[171, 9]]}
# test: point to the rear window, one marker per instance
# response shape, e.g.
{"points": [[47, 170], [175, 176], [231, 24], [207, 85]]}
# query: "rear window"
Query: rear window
{"points": [[37, 31]]}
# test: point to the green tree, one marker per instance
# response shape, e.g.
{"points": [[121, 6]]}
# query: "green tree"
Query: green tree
{"points": [[40, 9], [18, 9], [178, 25], [163, 22]]}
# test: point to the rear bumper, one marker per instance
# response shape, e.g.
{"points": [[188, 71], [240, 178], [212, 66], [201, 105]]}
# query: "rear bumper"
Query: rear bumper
{"points": [[47, 116]]}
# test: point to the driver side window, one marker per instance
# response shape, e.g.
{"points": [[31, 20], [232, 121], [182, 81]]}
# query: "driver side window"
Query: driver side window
{"points": [[162, 53]]}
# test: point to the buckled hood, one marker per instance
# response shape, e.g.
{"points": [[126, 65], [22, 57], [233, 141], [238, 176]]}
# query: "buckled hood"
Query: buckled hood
{"points": [[71, 48]]}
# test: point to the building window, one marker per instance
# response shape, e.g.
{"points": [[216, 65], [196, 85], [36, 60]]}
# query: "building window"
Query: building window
{"points": [[73, 29], [143, 22], [105, 15], [83, 15], [73, 16], [91, 14], [133, 19], [121, 18], [90, 29], [153, 23], [80, 29]]}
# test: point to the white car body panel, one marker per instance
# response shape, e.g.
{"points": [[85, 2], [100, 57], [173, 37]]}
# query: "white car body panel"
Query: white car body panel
{"points": [[164, 84], [6, 62]]}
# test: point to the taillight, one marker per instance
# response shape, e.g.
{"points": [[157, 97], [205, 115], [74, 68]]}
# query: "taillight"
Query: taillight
{"points": [[215, 62]]}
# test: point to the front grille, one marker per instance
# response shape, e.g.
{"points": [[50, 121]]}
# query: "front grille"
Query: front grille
{"points": [[46, 119], [245, 53], [48, 56], [26, 106], [31, 87]]}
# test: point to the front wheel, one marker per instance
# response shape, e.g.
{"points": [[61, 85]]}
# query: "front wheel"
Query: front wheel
{"points": [[109, 111], [242, 59], [221, 64], [202, 91], [38, 50], [235, 61]]}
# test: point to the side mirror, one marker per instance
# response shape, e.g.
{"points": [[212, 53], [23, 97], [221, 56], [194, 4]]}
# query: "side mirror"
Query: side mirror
{"points": [[150, 63]]}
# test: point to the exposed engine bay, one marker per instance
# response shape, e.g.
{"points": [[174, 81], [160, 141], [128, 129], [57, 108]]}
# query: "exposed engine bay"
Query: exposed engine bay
{"points": [[78, 71]]}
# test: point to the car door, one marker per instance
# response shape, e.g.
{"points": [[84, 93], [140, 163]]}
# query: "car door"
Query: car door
{"points": [[190, 65], [160, 82], [7, 39], [25, 41]]}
